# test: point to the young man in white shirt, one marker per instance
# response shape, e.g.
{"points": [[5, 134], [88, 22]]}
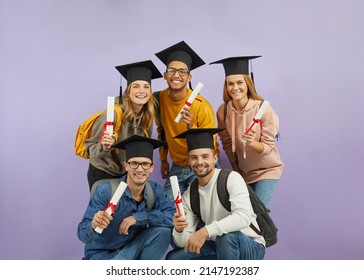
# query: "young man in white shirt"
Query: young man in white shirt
{"points": [[225, 235]]}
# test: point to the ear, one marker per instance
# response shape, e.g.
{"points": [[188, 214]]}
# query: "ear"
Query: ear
{"points": [[165, 75], [215, 157], [189, 77], [125, 166], [152, 168]]}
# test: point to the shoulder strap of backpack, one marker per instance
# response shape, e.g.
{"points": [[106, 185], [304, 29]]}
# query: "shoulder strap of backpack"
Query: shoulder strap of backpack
{"points": [[222, 191], [157, 106], [261, 102], [225, 111], [195, 199], [254, 199], [119, 117], [150, 195], [223, 194], [114, 183]]}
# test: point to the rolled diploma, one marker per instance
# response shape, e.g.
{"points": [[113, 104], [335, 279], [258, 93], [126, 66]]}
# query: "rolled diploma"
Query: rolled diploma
{"points": [[189, 101], [177, 198], [110, 115], [257, 117], [114, 201]]}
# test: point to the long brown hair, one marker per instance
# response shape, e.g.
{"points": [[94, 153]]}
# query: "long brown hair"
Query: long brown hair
{"points": [[147, 110], [251, 90]]}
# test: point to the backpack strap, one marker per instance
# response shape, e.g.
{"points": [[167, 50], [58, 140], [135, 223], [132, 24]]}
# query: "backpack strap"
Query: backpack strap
{"points": [[222, 191], [261, 102], [195, 199], [157, 106], [253, 199], [119, 117], [114, 183], [225, 111], [223, 194]]}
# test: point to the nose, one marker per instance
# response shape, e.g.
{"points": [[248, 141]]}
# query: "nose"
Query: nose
{"points": [[199, 160], [139, 166]]}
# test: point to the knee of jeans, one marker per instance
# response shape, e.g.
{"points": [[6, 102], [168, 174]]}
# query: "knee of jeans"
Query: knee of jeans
{"points": [[164, 233], [175, 254], [227, 239]]}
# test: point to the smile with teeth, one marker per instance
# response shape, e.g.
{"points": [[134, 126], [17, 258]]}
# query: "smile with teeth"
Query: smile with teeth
{"points": [[139, 175], [140, 96]]}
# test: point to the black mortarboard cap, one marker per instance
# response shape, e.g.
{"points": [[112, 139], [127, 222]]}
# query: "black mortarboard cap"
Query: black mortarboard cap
{"points": [[236, 65], [199, 138], [139, 146], [181, 52], [143, 70]]}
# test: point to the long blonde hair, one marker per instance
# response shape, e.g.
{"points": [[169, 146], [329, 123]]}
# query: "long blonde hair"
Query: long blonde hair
{"points": [[251, 90], [147, 110]]}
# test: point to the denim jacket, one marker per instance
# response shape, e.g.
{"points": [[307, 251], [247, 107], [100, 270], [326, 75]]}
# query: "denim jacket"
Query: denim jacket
{"points": [[103, 246]]}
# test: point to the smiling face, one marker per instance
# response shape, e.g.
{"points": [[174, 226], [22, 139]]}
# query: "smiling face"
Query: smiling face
{"points": [[176, 81], [237, 87], [202, 162], [140, 92], [139, 175]]}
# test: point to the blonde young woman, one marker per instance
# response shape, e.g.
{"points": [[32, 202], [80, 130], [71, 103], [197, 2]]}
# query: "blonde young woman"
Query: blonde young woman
{"points": [[137, 119], [254, 155]]}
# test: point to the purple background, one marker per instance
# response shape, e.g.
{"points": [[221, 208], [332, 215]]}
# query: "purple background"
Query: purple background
{"points": [[57, 63]]}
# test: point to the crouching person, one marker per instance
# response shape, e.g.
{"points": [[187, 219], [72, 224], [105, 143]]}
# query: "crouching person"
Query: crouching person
{"points": [[137, 229], [224, 235]]}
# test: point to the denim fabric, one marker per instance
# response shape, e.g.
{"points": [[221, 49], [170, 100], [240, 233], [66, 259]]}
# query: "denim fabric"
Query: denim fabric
{"points": [[185, 177], [264, 189], [103, 246], [151, 244], [231, 246]]}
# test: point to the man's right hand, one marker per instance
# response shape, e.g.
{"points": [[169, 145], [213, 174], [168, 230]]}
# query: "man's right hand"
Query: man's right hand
{"points": [[101, 219], [179, 222], [164, 169]]}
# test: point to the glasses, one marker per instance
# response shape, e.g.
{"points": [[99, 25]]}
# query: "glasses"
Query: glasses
{"points": [[181, 72], [145, 165]]}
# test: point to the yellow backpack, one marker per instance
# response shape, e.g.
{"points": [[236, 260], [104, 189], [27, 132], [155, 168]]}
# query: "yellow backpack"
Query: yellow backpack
{"points": [[84, 131]]}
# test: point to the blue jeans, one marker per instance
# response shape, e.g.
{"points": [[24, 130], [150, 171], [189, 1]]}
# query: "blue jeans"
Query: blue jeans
{"points": [[264, 189], [151, 244], [231, 246], [185, 177]]}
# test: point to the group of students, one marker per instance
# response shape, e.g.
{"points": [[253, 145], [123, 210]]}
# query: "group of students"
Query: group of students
{"points": [[138, 231]]}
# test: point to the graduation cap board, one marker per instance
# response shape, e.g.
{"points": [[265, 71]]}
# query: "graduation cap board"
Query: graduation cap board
{"points": [[199, 138], [236, 65], [142, 70], [139, 146], [181, 52]]}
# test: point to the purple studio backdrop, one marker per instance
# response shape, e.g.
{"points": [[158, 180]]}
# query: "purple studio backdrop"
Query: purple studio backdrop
{"points": [[57, 63]]}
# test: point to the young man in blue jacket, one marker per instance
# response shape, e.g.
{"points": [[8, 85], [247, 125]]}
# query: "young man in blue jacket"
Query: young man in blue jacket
{"points": [[133, 231]]}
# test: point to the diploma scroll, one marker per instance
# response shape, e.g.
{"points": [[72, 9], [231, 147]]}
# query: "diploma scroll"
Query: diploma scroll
{"points": [[258, 116], [113, 202], [177, 198], [189, 101], [110, 115]]}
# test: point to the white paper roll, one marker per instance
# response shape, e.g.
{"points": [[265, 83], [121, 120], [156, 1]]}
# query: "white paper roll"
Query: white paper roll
{"points": [[257, 118], [114, 201], [110, 114], [189, 101], [177, 197]]}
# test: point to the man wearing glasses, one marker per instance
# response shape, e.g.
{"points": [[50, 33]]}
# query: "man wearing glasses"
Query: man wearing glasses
{"points": [[179, 59], [133, 231]]}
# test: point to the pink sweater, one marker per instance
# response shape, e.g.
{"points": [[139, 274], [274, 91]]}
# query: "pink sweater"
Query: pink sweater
{"points": [[253, 166]]}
